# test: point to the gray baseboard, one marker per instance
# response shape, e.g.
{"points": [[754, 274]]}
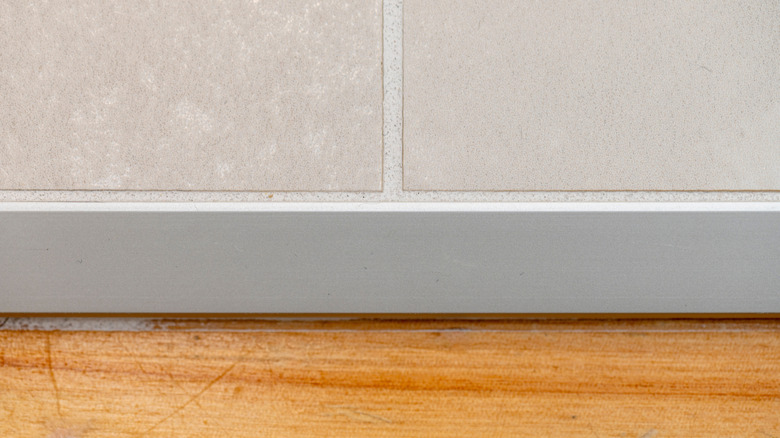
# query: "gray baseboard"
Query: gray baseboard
{"points": [[390, 258]]}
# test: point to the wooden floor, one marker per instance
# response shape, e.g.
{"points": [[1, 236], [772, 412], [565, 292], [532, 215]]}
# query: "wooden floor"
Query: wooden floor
{"points": [[395, 378]]}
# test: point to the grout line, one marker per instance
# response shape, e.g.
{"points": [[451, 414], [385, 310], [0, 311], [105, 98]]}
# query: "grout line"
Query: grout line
{"points": [[390, 194], [392, 36], [392, 207]]}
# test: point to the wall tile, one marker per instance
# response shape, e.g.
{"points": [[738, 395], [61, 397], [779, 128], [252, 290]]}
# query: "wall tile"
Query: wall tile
{"points": [[191, 95], [592, 95]]}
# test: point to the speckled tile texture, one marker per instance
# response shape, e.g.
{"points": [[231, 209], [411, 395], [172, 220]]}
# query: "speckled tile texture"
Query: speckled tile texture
{"points": [[393, 154], [591, 95], [200, 95]]}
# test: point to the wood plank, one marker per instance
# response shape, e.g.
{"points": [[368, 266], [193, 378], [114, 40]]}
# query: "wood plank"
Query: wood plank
{"points": [[400, 378]]}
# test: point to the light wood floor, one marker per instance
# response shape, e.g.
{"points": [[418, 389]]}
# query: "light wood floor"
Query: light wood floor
{"points": [[395, 378]]}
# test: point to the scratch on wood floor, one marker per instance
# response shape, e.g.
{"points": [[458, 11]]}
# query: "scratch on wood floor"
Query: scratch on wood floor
{"points": [[191, 400], [131, 356], [51, 374]]}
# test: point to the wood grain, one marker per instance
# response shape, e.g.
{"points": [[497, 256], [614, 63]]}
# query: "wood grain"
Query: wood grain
{"points": [[395, 378]]}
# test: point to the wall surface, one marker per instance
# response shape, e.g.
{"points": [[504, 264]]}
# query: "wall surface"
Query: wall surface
{"points": [[211, 95], [592, 95], [310, 101]]}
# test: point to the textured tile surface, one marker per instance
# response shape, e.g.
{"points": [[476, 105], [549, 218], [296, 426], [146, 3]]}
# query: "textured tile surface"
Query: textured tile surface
{"points": [[191, 95], [592, 95]]}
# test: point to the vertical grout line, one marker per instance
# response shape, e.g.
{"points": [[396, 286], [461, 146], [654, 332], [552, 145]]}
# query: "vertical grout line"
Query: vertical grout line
{"points": [[392, 40], [382, 75]]}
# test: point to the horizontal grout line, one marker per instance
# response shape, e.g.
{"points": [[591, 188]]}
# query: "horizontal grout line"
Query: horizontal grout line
{"points": [[7, 196], [389, 207]]}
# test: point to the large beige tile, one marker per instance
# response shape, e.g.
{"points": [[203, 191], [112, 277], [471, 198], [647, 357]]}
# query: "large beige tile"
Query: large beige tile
{"points": [[191, 95], [592, 95]]}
